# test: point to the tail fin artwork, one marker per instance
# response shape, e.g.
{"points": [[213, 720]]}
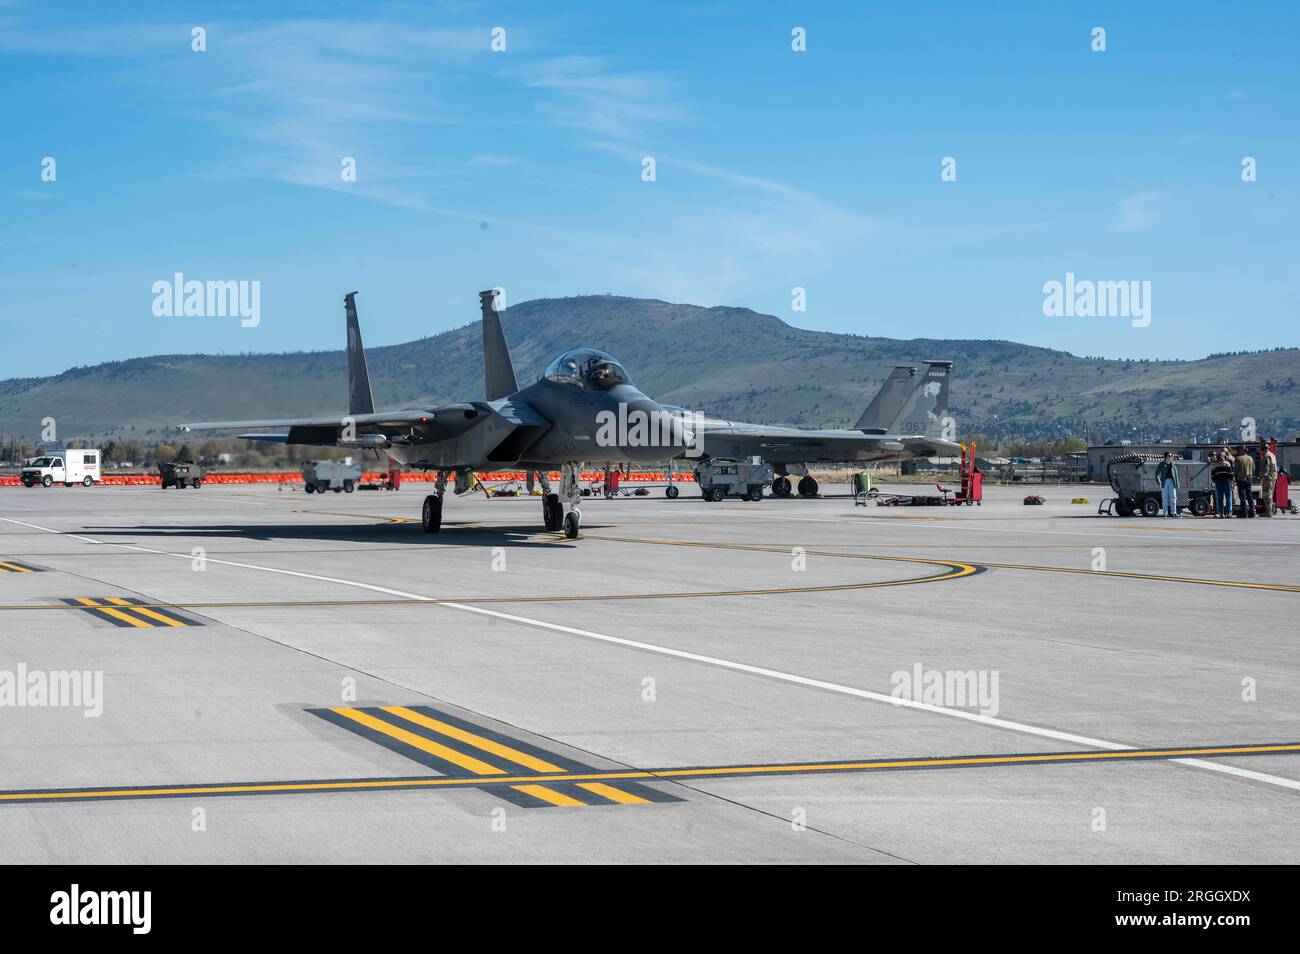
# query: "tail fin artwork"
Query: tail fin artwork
{"points": [[927, 406], [498, 371], [360, 400], [889, 400]]}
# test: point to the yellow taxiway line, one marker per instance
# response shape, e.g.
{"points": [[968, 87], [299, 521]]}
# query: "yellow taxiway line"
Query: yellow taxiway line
{"points": [[955, 570], [978, 564], [601, 776]]}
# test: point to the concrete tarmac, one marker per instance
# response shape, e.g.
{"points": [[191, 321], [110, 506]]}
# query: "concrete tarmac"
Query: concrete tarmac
{"points": [[293, 678]]}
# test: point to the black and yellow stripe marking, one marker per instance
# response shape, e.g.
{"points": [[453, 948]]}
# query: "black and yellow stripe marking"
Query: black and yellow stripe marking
{"points": [[597, 779], [462, 750], [130, 612], [13, 566]]}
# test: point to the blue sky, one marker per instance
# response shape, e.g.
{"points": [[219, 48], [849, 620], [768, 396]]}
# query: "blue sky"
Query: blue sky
{"points": [[522, 168]]}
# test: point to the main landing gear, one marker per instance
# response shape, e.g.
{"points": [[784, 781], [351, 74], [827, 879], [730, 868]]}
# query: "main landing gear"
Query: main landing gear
{"points": [[781, 486], [431, 512], [559, 511], [553, 505]]}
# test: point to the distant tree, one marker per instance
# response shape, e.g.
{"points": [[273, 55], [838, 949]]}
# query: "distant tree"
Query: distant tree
{"points": [[1070, 445]]}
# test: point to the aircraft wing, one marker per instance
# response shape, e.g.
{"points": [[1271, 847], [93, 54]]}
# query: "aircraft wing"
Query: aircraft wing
{"points": [[916, 409], [374, 429], [783, 444], [406, 418]]}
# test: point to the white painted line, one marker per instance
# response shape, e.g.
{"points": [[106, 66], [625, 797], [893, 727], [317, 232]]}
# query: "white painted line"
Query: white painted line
{"points": [[62, 533], [992, 721]]}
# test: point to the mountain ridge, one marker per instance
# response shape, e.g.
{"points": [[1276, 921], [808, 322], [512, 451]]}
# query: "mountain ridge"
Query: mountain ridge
{"points": [[727, 361]]}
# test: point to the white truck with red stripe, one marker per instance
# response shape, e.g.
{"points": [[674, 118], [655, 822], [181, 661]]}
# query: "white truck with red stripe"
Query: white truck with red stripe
{"points": [[66, 467]]}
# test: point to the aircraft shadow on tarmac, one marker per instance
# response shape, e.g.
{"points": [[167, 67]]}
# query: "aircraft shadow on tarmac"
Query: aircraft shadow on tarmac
{"points": [[522, 536]]}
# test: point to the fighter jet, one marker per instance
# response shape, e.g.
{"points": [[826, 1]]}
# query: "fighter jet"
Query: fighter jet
{"points": [[584, 408], [905, 419]]}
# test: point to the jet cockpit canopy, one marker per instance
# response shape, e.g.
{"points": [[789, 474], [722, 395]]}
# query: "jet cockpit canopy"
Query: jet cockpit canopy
{"points": [[588, 369]]}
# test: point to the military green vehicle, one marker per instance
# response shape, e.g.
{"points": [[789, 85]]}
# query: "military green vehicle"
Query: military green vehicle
{"points": [[179, 474]]}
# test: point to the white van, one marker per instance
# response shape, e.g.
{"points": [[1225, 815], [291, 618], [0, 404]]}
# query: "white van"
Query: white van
{"points": [[67, 467]]}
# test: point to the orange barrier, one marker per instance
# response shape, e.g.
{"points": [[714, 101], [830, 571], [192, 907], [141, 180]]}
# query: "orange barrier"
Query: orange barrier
{"points": [[295, 477], [555, 475]]}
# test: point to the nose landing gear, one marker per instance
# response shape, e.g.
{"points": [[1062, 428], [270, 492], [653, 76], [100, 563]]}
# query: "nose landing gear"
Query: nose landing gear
{"points": [[553, 505]]}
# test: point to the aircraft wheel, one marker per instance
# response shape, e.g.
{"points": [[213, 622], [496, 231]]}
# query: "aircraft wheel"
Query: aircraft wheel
{"points": [[571, 525], [781, 486], [807, 487], [717, 495], [431, 514], [670, 492], [552, 512]]}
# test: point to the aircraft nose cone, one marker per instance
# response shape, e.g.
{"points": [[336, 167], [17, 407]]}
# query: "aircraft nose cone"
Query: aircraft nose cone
{"points": [[636, 401], [642, 428]]}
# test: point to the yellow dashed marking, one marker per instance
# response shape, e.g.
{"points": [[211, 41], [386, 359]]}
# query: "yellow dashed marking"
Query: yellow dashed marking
{"points": [[117, 600], [549, 795], [478, 741], [613, 794], [118, 614], [477, 766]]}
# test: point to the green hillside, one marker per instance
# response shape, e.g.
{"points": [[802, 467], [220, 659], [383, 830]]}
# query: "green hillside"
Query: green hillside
{"points": [[730, 362]]}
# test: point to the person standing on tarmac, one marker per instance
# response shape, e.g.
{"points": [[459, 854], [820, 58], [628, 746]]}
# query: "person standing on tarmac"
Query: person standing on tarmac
{"points": [[1267, 477], [1243, 469], [1167, 478], [1228, 456], [1221, 474]]}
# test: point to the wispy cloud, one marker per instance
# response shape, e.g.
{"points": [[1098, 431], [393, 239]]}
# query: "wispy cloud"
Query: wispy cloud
{"points": [[1136, 212], [744, 233], [290, 98], [590, 93]]}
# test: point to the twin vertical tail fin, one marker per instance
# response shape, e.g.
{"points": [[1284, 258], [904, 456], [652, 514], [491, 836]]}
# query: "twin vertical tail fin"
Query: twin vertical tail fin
{"points": [[360, 400], [889, 400], [927, 405], [498, 371]]}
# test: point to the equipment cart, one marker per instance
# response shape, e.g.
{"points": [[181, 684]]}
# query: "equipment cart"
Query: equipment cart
{"points": [[323, 475]]}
